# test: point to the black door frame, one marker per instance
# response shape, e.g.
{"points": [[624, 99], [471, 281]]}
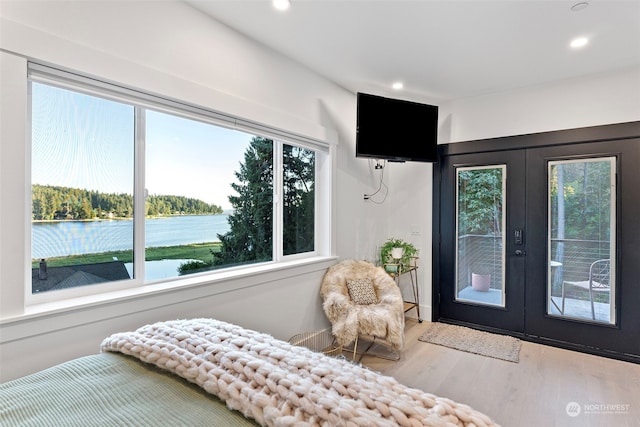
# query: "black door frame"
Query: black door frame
{"points": [[613, 132]]}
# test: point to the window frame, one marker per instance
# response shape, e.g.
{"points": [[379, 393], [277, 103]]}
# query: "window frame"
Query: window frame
{"points": [[142, 101]]}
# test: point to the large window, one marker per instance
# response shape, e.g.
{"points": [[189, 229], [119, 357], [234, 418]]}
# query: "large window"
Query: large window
{"points": [[132, 189]]}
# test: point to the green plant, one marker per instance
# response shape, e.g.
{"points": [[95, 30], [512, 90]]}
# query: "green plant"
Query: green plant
{"points": [[408, 252], [192, 266]]}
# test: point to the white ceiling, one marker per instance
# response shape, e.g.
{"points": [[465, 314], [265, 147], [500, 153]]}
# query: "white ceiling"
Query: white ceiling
{"points": [[441, 50]]}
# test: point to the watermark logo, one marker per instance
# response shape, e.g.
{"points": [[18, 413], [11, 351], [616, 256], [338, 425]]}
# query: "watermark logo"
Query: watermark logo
{"points": [[606, 408], [573, 409]]}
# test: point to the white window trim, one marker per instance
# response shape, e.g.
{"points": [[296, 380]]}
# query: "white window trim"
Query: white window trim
{"points": [[278, 189], [104, 292]]}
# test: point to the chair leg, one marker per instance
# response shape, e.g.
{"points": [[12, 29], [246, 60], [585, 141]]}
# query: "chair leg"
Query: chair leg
{"points": [[562, 311], [593, 311], [355, 348]]}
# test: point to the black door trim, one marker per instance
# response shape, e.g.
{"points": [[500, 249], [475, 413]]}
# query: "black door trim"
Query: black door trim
{"points": [[616, 131]]}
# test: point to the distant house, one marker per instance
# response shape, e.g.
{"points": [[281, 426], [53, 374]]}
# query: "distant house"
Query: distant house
{"points": [[78, 275]]}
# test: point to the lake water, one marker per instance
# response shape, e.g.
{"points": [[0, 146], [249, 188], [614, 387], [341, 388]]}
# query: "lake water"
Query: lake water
{"points": [[63, 238], [155, 270]]}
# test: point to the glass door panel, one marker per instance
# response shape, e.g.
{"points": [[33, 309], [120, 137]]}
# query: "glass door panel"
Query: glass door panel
{"points": [[581, 252], [480, 245]]}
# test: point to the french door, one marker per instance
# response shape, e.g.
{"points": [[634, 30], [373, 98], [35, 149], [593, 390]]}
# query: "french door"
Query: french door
{"points": [[542, 241], [483, 195]]}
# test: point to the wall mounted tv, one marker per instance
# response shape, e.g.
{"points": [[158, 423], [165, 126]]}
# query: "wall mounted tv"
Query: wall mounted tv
{"points": [[396, 130]]}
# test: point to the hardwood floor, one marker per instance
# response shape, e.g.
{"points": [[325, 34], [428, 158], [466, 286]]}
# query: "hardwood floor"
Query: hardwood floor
{"points": [[534, 392]]}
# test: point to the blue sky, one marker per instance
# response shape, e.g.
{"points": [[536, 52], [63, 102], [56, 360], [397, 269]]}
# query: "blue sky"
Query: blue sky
{"points": [[87, 142], [189, 158]]}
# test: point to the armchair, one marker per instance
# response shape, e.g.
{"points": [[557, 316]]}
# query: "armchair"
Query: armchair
{"points": [[360, 298]]}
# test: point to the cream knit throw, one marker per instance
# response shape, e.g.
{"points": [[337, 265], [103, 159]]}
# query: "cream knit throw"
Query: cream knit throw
{"points": [[279, 384]]}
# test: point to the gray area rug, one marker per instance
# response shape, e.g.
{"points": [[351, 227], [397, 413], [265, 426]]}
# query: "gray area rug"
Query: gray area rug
{"points": [[473, 341]]}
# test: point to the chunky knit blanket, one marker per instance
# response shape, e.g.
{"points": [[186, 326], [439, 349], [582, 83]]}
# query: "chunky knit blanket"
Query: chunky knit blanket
{"points": [[279, 384]]}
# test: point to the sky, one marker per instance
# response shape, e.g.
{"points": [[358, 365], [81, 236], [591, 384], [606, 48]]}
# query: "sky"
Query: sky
{"points": [[193, 159], [87, 142]]}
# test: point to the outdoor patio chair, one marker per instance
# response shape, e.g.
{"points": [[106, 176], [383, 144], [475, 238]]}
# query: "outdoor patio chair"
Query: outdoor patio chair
{"points": [[599, 282]]}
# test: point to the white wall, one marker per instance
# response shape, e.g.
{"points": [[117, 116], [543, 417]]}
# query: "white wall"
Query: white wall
{"points": [[585, 101]]}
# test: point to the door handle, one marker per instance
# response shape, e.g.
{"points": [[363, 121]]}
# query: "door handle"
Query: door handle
{"points": [[519, 252]]}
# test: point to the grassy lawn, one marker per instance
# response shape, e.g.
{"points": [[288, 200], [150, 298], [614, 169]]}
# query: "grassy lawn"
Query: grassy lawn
{"points": [[200, 251]]}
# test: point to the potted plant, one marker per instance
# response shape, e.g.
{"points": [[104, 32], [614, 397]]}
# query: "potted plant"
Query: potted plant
{"points": [[481, 281], [396, 253]]}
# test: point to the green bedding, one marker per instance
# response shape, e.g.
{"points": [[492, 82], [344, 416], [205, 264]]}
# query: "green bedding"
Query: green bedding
{"points": [[110, 389]]}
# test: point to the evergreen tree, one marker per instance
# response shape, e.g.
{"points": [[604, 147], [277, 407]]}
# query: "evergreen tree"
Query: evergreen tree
{"points": [[587, 197], [251, 226], [298, 198], [86, 212], [480, 202]]}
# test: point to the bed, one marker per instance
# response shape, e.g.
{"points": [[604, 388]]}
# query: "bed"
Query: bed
{"points": [[208, 372]]}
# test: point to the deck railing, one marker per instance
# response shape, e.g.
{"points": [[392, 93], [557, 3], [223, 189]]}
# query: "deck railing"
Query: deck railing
{"points": [[577, 255], [483, 254], [480, 254]]}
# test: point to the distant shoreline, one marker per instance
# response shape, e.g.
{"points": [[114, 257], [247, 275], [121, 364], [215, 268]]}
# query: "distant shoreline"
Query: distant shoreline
{"points": [[122, 218]]}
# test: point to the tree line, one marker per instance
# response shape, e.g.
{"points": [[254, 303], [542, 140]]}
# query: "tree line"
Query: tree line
{"points": [[65, 203]]}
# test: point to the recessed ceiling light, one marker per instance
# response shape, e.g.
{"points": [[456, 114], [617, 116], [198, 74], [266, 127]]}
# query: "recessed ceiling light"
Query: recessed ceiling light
{"points": [[579, 42], [281, 4], [397, 85]]}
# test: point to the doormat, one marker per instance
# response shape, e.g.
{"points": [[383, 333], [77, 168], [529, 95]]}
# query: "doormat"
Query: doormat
{"points": [[472, 341]]}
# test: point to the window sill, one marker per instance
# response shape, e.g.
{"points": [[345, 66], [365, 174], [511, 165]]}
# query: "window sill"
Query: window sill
{"points": [[132, 300]]}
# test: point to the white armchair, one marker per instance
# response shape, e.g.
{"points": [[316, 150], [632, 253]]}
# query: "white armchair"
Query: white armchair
{"points": [[360, 298]]}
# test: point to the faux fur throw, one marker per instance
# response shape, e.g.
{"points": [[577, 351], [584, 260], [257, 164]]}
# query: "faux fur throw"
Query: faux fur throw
{"points": [[279, 384], [385, 319]]}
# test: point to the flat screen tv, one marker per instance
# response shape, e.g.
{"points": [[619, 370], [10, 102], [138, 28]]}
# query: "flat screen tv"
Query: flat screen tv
{"points": [[396, 130]]}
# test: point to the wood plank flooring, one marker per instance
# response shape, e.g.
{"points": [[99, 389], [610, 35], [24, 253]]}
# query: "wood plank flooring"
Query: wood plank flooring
{"points": [[534, 392]]}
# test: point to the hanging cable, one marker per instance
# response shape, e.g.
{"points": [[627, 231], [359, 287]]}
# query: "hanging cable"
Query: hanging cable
{"points": [[381, 185]]}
